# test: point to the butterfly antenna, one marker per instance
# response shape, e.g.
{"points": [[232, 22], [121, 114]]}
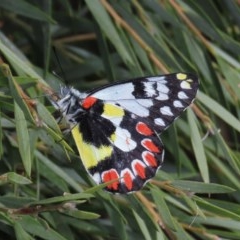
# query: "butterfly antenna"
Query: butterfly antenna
{"points": [[60, 66]]}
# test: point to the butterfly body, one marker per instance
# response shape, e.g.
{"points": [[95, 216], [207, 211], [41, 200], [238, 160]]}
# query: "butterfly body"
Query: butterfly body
{"points": [[116, 127]]}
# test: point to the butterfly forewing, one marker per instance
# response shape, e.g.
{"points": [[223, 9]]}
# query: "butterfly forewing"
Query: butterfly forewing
{"points": [[159, 99], [116, 126]]}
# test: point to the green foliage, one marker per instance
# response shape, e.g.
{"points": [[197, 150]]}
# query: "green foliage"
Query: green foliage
{"points": [[45, 191]]}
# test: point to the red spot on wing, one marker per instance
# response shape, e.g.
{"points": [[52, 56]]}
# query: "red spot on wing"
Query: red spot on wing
{"points": [[143, 129], [149, 145], [128, 179], [111, 175], [88, 102], [140, 169], [150, 159]]}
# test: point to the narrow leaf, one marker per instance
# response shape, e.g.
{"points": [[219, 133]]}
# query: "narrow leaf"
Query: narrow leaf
{"points": [[66, 197], [16, 178], [25, 9], [220, 111], [198, 147], [82, 214], [23, 138], [163, 208], [142, 226], [199, 187], [108, 28], [34, 227], [21, 234]]}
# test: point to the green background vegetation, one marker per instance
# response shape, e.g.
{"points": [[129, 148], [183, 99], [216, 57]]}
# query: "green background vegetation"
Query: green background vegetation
{"points": [[45, 191]]}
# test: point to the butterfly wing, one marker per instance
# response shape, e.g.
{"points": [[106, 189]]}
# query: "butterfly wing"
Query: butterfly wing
{"points": [[159, 99], [117, 138]]}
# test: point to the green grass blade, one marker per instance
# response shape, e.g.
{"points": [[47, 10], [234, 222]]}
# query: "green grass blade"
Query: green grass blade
{"points": [[198, 147], [23, 139]]}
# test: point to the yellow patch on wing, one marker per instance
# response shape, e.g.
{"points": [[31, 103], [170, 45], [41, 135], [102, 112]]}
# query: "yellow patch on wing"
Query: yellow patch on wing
{"points": [[181, 76], [186, 84], [113, 137], [90, 155], [111, 110]]}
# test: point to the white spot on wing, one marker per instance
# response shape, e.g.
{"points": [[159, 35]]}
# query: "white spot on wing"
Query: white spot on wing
{"points": [[162, 88], [116, 92], [145, 102], [157, 79], [182, 95], [166, 111], [162, 97], [135, 107], [159, 121], [133, 116], [149, 89], [115, 120], [185, 85], [123, 140], [96, 177], [177, 104]]}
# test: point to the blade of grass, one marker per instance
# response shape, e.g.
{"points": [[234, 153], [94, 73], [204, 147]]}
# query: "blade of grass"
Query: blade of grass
{"points": [[26, 9], [23, 138], [108, 28], [198, 147]]}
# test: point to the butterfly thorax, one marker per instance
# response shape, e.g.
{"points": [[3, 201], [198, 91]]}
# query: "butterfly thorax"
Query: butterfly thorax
{"points": [[70, 105]]}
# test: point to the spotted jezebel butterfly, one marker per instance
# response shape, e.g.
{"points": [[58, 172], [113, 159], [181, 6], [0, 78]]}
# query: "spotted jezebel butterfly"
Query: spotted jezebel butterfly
{"points": [[116, 127]]}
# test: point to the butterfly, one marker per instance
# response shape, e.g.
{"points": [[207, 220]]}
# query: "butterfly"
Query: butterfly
{"points": [[116, 127]]}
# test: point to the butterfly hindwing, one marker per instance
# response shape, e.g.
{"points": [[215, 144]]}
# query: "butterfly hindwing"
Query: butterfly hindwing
{"points": [[116, 126]]}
